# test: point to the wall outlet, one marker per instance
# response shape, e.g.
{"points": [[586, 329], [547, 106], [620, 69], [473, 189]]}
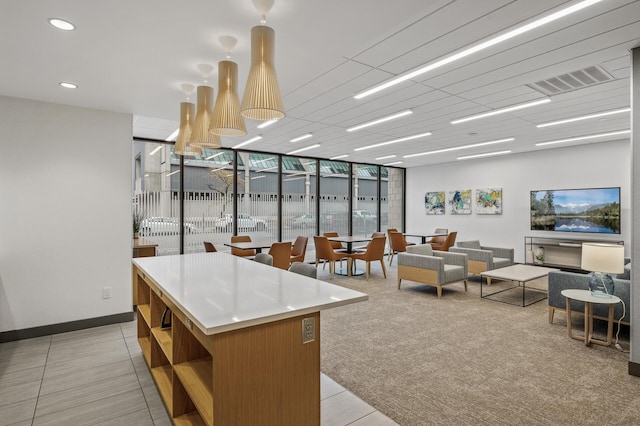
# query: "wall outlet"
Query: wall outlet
{"points": [[106, 292], [308, 330]]}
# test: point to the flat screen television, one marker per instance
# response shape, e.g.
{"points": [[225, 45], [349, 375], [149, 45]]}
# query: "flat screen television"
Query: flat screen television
{"points": [[595, 210]]}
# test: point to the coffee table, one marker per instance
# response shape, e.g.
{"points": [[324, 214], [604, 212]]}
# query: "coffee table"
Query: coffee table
{"points": [[586, 297], [518, 273]]}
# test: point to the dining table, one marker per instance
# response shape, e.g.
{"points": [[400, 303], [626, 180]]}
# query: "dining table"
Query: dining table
{"points": [[251, 245], [349, 240], [423, 235]]}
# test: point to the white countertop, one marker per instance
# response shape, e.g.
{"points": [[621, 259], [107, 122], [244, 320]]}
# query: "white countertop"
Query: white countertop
{"points": [[220, 292]]}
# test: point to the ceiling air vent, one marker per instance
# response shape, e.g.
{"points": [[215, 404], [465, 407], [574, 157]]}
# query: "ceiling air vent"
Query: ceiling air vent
{"points": [[575, 80]]}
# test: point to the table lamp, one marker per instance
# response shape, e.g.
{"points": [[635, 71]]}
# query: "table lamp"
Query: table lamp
{"points": [[602, 259]]}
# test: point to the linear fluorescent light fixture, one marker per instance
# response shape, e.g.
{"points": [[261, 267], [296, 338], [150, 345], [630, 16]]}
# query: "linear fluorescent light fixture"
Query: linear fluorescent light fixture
{"points": [[408, 138], [456, 148], [68, 85], [584, 117], [214, 156], [392, 163], [486, 154], [173, 173], [61, 24], [247, 142], [301, 138], [582, 138], [386, 156], [337, 157], [380, 120], [173, 135], [478, 47], [266, 123], [156, 149], [306, 148], [502, 110]]}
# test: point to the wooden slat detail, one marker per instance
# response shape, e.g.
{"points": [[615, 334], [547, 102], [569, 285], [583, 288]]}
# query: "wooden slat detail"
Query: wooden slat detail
{"points": [[163, 337], [162, 377], [412, 273], [197, 379], [476, 267]]}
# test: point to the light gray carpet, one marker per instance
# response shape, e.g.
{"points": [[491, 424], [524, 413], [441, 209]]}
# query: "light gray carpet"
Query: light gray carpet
{"points": [[464, 360]]}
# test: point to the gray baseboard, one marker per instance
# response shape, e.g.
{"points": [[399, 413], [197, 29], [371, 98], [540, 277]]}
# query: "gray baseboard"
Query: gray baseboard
{"points": [[46, 330], [634, 369]]}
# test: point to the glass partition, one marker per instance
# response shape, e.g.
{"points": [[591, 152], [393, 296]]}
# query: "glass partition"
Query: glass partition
{"points": [[365, 199]]}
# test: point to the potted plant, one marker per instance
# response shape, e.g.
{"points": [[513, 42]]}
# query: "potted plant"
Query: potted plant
{"points": [[138, 217]]}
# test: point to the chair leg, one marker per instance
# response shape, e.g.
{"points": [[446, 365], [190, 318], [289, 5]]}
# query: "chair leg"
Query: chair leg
{"points": [[399, 279], [332, 266], [390, 258], [349, 263], [384, 270], [439, 292], [551, 312], [465, 285], [488, 281], [368, 270]]}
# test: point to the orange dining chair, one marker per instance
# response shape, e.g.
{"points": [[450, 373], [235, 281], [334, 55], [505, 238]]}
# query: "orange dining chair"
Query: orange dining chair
{"points": [[439, 240], [209, 247], [281, 253], [240, 252], [325, 252], [335, 245], [397, 244], [373, 235], [448, 242], [299, 249], [374, 251]]}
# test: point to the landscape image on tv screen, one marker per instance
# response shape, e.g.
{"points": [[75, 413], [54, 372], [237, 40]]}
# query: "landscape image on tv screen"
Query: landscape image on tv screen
{"points": [[576, 210]]}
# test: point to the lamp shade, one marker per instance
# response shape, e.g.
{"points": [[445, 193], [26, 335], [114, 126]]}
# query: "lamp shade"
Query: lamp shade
{"points": [[200, 135], [227, 120], [262, 99], [599, 257], [187, 117]]}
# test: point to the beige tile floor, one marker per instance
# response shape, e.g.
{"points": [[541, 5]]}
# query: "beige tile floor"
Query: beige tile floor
{"points": [[98, 377]]}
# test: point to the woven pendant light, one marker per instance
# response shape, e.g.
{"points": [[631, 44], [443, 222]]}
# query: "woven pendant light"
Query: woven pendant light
{"points": [[262, 99], [227, 120], [187, 115], [200, 135]]}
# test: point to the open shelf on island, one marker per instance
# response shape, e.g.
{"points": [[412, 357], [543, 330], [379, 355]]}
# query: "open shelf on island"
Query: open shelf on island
{"points": [[189, 419], [162, 377], [197, 378], [164, 339]]}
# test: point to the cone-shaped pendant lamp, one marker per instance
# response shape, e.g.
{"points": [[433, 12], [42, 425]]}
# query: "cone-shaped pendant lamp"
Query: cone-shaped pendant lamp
{"points": [[200, 135], [262, 99], [187, 115], [227, 120]]}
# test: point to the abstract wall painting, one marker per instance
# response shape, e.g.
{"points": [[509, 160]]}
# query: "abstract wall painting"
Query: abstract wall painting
{"points": [[434, 202], [489, 201], [460, 201]]}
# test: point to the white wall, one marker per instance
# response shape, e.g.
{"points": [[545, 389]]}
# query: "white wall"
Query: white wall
{"points": [[585, 166], [65, 213]]}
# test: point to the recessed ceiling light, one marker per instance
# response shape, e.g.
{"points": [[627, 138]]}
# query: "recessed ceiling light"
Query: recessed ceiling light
{"points": [[247, 142], [306, 148], [408, 138], [380, 120], [301, 138], [61, 24], [581, 138], [487, 154], [456, 148], [393, 163], [386, 156], [68, 85], [337, 157], [584, 117], [478, 47], [501, 111]]}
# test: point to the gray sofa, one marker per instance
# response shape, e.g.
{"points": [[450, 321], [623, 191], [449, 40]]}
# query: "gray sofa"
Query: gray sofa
{"points": [[561, 280], [484, 258]]}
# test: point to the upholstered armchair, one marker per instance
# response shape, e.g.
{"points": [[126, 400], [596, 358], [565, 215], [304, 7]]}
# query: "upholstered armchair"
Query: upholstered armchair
{"points": [[436, 268], [484, 258]]}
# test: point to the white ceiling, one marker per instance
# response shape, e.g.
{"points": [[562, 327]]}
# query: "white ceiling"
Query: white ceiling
{"points": [[132, 56]]}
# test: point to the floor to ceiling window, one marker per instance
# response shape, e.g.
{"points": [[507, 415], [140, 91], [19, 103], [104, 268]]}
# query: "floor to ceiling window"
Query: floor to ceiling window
{"points": [[299, 198], [272, 197]]}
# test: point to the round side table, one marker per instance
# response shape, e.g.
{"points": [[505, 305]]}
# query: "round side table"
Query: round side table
{"points": [[588, 299]]}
